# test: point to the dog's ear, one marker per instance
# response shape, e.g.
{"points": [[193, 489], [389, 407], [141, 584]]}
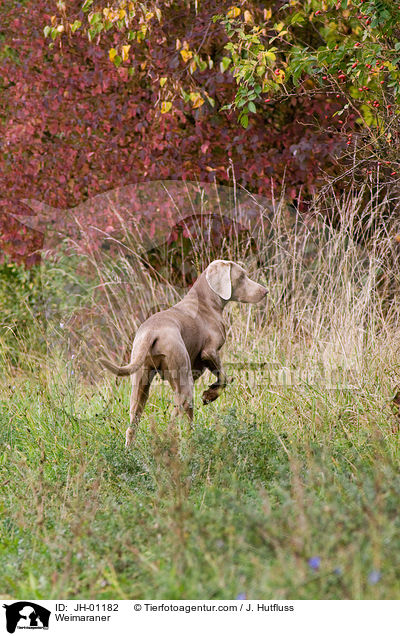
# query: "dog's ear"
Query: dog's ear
{"points": [[218, 276]]}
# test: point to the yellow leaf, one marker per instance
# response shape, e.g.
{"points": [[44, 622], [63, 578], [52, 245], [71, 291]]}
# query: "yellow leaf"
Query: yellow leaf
{"points": [[248, 18], [112, 54], [278, 27], [143, 29], [166, 107], [279, 76], [149, 15], [106, 12], [125, 52], [233, 12], [131, 6], [122, 14], [163, 81], [196, 100], [267, 14], [158, 14], [186, 55], [192, 66]]}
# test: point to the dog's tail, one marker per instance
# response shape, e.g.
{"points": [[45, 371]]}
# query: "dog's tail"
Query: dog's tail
{"points": [[140, 350]]}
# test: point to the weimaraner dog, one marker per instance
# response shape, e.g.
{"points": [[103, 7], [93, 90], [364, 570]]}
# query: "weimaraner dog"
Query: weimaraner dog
{"points": [[181, 342]]}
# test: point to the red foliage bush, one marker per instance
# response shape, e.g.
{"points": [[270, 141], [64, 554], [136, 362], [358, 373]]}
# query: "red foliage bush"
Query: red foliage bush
{"points": [[73, 126]]}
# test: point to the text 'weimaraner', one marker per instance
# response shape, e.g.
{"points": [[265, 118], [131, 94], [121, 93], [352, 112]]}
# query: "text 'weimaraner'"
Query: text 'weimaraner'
{"points": [[181, 342]]}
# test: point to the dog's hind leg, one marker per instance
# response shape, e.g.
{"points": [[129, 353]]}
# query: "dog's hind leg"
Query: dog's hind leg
{"points": [[141, 381], [180, 378]]}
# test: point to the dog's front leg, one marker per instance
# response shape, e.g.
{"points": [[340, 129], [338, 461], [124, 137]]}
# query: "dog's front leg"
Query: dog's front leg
{"points": [[213, 363]]}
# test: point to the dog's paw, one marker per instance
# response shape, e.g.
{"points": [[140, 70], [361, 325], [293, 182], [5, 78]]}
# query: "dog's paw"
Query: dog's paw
{"points": [[211, 394], [129, 437]]}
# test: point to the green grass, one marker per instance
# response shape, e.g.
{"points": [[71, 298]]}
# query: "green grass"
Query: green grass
{"points": [[240, 504]]}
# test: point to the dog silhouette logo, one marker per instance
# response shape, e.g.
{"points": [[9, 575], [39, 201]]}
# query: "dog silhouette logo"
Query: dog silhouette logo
{"points": [[26, 615]]}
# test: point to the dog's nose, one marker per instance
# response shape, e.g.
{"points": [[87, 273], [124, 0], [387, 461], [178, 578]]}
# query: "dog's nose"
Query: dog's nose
{"points": [[261, 293]]}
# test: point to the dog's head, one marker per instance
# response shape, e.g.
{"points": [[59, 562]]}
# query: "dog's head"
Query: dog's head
{"points": [[230, 282]]}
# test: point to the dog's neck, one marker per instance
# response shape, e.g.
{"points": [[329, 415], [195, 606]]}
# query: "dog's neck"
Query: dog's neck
{"points": [[206, 296]]}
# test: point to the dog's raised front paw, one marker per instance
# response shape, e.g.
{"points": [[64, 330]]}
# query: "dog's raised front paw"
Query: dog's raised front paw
{"points": [[211, 394]]}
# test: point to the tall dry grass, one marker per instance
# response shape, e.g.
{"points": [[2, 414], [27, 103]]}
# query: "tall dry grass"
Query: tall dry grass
{"points": [[332, 275]]}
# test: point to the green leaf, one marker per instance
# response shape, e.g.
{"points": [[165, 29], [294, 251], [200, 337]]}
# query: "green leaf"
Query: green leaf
{"points": [[86, 5], [46, 31], [185, 95], [297, 18], [225, 62], [270, 55], [94, 18], [76, 25], [252, 107], [244, 120], [95, 30]]}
